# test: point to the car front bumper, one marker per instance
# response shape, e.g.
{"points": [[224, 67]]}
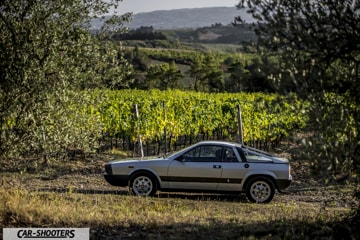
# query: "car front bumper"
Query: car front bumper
{"points": [[117, 180]]}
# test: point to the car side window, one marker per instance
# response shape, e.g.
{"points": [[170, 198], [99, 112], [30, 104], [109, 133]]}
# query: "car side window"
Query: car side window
{"points": [[254, 156], [204, 153], [229, 155], [242, 154]]}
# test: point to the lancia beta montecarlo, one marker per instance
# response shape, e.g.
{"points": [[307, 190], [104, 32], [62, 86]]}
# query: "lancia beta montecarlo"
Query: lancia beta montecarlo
{"points": [[209, 166]]}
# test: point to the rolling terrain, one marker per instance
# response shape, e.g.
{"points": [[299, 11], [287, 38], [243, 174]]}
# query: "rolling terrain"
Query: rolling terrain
{"points": [[184, 18]]}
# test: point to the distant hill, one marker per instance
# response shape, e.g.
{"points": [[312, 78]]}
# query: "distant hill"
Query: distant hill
{"points": [[185, 18], [217, 33]]}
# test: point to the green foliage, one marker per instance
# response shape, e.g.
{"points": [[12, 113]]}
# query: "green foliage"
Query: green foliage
{"points": [[46, 52], [318, 53], [217, 33], [187, 56], [207, 74], [208, 70], [61, 122], [163, 76], [142, 33], [265, 117], [238, 74], [317, 42], [335, 114], [196, 71]]}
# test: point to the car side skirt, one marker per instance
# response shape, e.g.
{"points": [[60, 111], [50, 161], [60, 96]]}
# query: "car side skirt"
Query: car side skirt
{"points": [[201, 180], [185, 190]]}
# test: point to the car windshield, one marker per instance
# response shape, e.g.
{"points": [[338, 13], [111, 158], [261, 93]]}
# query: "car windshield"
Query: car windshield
{"points": [[169, 155]]}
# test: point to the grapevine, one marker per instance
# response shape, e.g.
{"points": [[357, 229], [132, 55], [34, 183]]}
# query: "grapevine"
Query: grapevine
{"points": [[266, 117]]}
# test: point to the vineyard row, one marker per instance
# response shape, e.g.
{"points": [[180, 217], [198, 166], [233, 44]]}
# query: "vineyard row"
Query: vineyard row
{"points": [[265, 117]]}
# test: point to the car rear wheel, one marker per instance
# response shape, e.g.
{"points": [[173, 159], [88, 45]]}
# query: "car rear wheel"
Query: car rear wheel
{"points": [[260, 190], [143, 184]]}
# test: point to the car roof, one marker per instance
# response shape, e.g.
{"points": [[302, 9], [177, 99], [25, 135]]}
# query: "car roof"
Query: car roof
{"points": [[212, 142], [231, 144], [224, 143]]}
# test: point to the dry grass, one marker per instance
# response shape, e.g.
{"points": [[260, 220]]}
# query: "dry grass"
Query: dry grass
{"points": [[74, 194], [115, 216]]}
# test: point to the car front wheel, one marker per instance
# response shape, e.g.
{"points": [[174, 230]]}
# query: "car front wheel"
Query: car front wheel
{"points": [[260, 190], [143, 184]]}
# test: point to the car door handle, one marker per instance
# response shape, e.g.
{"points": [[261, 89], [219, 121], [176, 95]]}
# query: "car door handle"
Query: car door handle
{"points": [[216, 166]]}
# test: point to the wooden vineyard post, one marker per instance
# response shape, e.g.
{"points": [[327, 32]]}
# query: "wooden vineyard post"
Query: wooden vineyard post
{"points": [[241, 138], [136, 116], [165, 134]]}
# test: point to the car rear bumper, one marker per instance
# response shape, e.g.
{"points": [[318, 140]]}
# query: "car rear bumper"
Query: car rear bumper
{"points": [[116, 180]]}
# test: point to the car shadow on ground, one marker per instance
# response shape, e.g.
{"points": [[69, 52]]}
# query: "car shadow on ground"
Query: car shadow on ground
{"points": [[177, 195], [204, 196], [83, 191]]}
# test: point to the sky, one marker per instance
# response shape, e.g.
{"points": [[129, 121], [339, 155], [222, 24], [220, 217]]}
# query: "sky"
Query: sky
{"points": [[137, 6]]}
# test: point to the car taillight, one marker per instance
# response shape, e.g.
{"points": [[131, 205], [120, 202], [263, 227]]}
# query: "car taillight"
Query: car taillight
{"points": [[108, 169]]}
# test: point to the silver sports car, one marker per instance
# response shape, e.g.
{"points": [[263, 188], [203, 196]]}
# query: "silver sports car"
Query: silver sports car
{"points": [[209, 166]]}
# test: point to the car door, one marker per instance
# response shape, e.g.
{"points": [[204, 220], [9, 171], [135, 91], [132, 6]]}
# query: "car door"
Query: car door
{"points": [[233, 170], [197, 169]]}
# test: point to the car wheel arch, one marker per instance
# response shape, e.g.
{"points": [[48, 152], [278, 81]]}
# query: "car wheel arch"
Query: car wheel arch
{"points": [[271, 178], [142, 171]]}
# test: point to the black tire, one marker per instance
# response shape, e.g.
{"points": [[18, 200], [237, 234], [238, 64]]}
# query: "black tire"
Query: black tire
{"points": [[260, 190], [143, 184]]}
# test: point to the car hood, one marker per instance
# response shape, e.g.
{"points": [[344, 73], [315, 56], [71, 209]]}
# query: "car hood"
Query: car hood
{"points": [[280, 160], [138, 161]]}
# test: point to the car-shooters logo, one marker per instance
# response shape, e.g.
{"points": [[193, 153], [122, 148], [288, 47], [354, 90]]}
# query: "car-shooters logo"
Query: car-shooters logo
{"points": [[53, 233], [46, 233]]}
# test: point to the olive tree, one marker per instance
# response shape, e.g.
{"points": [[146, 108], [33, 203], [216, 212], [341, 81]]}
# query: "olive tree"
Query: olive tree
{"points": [[317, 42], [164, 76], [207, 73], [48, 60]]}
